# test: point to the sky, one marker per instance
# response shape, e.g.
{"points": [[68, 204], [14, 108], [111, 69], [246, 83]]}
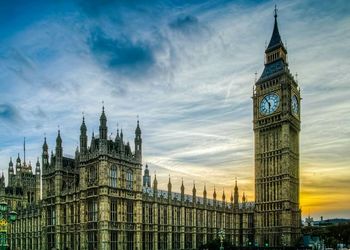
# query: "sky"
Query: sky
{"points": [[187, 70]]}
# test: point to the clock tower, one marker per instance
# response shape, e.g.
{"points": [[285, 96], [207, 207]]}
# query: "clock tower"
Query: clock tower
{"points": [[276, 109]]}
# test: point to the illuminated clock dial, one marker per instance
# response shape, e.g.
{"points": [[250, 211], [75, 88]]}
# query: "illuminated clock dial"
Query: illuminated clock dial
{"points": [[269, 104], [295, 106]]}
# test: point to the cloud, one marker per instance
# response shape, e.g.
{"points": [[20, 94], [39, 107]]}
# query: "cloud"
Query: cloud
{"points": [[188, 70], [185, 23], [9, 114], [121, 54]]}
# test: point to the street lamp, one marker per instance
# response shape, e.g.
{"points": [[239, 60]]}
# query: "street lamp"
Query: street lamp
{"points": [[5, 218], [222, 237]]}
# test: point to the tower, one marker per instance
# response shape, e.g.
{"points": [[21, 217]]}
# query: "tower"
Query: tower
{"points": [[59, 151], [83, 137], [147, 178], [138, 143], [37, 182], [103, 125], [235, 197], [276, 101]]}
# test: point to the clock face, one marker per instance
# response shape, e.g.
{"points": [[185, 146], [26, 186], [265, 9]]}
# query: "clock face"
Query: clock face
{"points": [[294, 103], [269, 104]]}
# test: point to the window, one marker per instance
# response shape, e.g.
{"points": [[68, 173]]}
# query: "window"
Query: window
{"points": [[113, 176], [130, 240], [71, 214], [51, 216], [129, 180], [113, 210], [129, 211], [114, 240], [92, 240], [64, 215], [92, 210], [91, 175]]}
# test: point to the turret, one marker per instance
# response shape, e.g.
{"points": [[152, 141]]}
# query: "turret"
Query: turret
{"points": [[138, 143], [92, 144], [83, 137], [169, 189], [2, 185], [45, 155], [214, 196], [11, 173], [205, 195], [194, 191], [103, 125], [182, 191], [37, 167], [37, 182], [122, 147], [146, 178], [18, 164], [235, 197], [223, 197], [243, 199], [155, 187], [59, 151]]}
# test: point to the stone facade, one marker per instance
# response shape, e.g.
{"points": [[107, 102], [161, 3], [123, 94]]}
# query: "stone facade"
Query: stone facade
{"points": [[101, 199], [276, 111]]}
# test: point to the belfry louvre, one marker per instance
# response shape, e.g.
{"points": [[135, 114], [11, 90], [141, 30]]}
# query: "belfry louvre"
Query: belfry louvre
{"points": [[104, 198]]}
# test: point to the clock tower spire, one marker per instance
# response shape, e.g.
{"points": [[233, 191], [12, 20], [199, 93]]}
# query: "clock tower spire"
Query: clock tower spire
{"points": [[276, 111]]}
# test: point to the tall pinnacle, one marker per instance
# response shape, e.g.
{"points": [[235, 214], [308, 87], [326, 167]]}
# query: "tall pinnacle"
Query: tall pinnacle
{"points": [[275, 38]]}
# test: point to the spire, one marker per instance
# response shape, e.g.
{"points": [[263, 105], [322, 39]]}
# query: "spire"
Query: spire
{"points": [[138, 130], [223, 195], [205, 191], [103, 125], [58, 139], [275, 38], [169, 189], [169, 185], [231, 198], [10, 163], [194, 191], [214, 194], [155, 186], [18, 159], [83, 126], [10, 166], [235, 197], [83, 136], [45, 147], [37, 169], [59, 150]]}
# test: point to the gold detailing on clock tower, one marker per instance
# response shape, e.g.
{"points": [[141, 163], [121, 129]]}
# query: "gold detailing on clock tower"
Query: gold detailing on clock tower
{"points": [[276, 134]]}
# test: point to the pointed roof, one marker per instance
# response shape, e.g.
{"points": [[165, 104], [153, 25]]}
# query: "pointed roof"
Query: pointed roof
{"points": [[83, 126], [275, 40], [58, 139], [138, 130], [103, 115], [45, 147]]}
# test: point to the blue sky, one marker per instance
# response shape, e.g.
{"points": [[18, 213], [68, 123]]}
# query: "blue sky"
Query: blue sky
{"points": [[187, 69]]}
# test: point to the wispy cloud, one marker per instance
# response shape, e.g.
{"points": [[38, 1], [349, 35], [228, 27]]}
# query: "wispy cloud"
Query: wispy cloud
{"points": [[188, 70]]}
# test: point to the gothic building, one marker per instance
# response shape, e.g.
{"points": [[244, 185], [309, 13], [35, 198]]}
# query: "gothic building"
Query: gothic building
{"points": [[276, 108], [101, 198]]}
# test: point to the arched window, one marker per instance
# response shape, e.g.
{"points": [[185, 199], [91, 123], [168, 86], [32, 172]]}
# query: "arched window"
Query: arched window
{"points": [[129, 180], [113, 176]]}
